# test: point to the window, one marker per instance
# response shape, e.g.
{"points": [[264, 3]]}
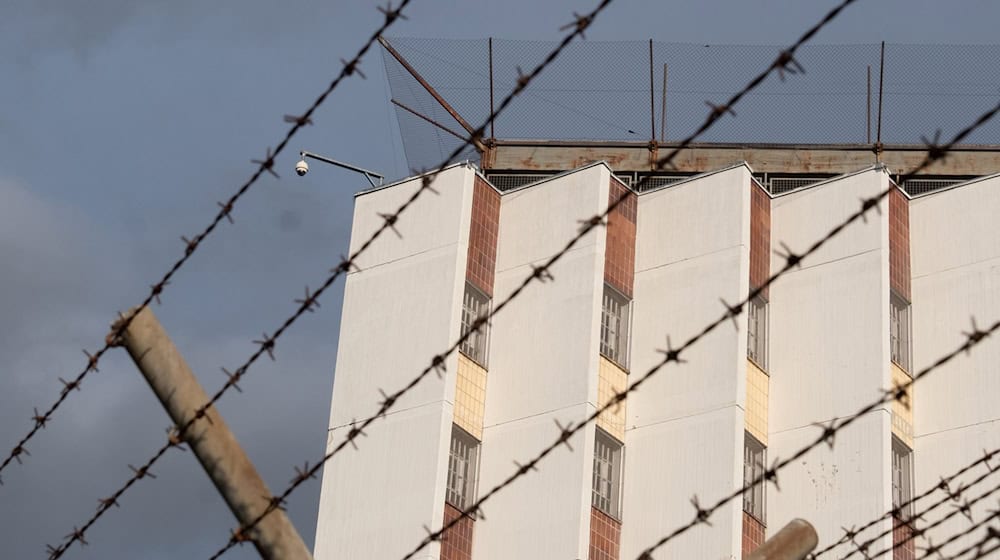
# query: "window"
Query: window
{"points": [[754, 455], [899, 331], [607, 474], [463, 466], [902, 477], [615, 316], [757, 332], [475, 305]]}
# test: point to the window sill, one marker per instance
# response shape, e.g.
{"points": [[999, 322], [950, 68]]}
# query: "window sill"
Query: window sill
{"points": [[613, 361], [473, 360], [901, 368], [756, 518], [758, 366]]}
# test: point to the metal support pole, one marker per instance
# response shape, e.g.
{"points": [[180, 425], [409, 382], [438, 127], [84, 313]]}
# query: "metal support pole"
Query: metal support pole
{"points": [[868, 109], [663, 106], [652, 97], [437, 96], [493, 133], [793, 542], [368, 174], [417, 114], [213, 444], [878, 134]]}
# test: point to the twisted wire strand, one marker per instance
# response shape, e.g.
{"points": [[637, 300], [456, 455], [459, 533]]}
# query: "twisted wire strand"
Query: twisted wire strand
{"points": [[944, 485]]}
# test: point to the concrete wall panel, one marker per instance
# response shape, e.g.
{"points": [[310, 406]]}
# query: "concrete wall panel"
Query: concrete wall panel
{"points": [[549, 371], [956, 275], [829, 355]]}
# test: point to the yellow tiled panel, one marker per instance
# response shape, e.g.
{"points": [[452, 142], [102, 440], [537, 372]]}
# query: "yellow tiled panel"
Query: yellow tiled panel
{"points": [[611, 381], [470, 396], [756, 412], [902, 410]]}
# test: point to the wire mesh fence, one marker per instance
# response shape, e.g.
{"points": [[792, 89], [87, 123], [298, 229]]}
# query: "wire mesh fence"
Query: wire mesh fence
{"points": [[637, 90]]}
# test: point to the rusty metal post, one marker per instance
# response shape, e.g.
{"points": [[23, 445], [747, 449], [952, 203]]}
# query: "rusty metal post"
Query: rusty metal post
{"points": [[652, 97], [663, 106], [213, 443], [793, 542], [437, 96], [493, 133], [878, 126], [868, 109]]}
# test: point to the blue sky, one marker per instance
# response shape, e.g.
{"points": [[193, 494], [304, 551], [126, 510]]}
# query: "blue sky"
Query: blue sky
{"points": [[121, 125]]}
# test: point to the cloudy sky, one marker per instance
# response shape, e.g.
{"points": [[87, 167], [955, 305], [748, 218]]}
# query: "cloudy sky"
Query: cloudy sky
{"points": [[121, 125]]}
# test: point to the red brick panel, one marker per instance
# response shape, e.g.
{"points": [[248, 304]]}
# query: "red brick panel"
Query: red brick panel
{"points": [[760, 237], [456, 543], [907, 550], [605, 536], [899, 243], [483, 237], [753, 534], [619, 256]]}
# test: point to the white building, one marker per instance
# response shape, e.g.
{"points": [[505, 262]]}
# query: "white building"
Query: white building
{"points": [[878, 302]]}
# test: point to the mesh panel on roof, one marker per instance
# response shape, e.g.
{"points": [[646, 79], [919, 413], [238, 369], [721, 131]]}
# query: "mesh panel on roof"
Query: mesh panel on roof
{"points": [[601, 91]]}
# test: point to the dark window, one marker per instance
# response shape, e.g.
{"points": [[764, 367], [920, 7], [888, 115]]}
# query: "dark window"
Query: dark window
{"points": [[899, 331], [463, 467], [754, 455], [615, 322], [902, 477], [475, 306], [757, 331], [607, 474]]}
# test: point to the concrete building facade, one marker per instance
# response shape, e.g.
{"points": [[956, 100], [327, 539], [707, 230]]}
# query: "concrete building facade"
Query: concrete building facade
{"points": [[879, 301]]}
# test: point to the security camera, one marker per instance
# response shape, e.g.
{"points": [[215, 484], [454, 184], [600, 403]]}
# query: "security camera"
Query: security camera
{"points": [[302, 167]]}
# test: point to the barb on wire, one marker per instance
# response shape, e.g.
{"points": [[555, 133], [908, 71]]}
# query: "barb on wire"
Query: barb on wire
{"points": [[963, 507], [225, 212], [899, 512], [266, 345]]}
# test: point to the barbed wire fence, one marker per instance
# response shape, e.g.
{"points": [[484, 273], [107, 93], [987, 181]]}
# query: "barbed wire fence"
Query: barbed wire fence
{"points": [[266, 344], [962, 508], [785, 62], [191, 245], [899, 512]]}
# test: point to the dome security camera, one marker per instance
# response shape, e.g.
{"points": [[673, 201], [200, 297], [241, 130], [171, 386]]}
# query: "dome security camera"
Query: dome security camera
{"points": [[301, 168]]}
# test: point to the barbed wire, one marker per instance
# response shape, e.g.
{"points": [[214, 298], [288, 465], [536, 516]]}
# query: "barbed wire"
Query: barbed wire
{"points": [[191, 245], [899, 511], [307, 304], [909, 521], [979, 547], [964, 509]]}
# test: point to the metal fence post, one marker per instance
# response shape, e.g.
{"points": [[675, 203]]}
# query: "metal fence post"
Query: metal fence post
{"points": [[213, 443]]}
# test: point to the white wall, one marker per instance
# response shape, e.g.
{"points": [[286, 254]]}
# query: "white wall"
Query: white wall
{"points": [[543, 367], [829, 356], [400, 309], [956, 275], [684, 433]]}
